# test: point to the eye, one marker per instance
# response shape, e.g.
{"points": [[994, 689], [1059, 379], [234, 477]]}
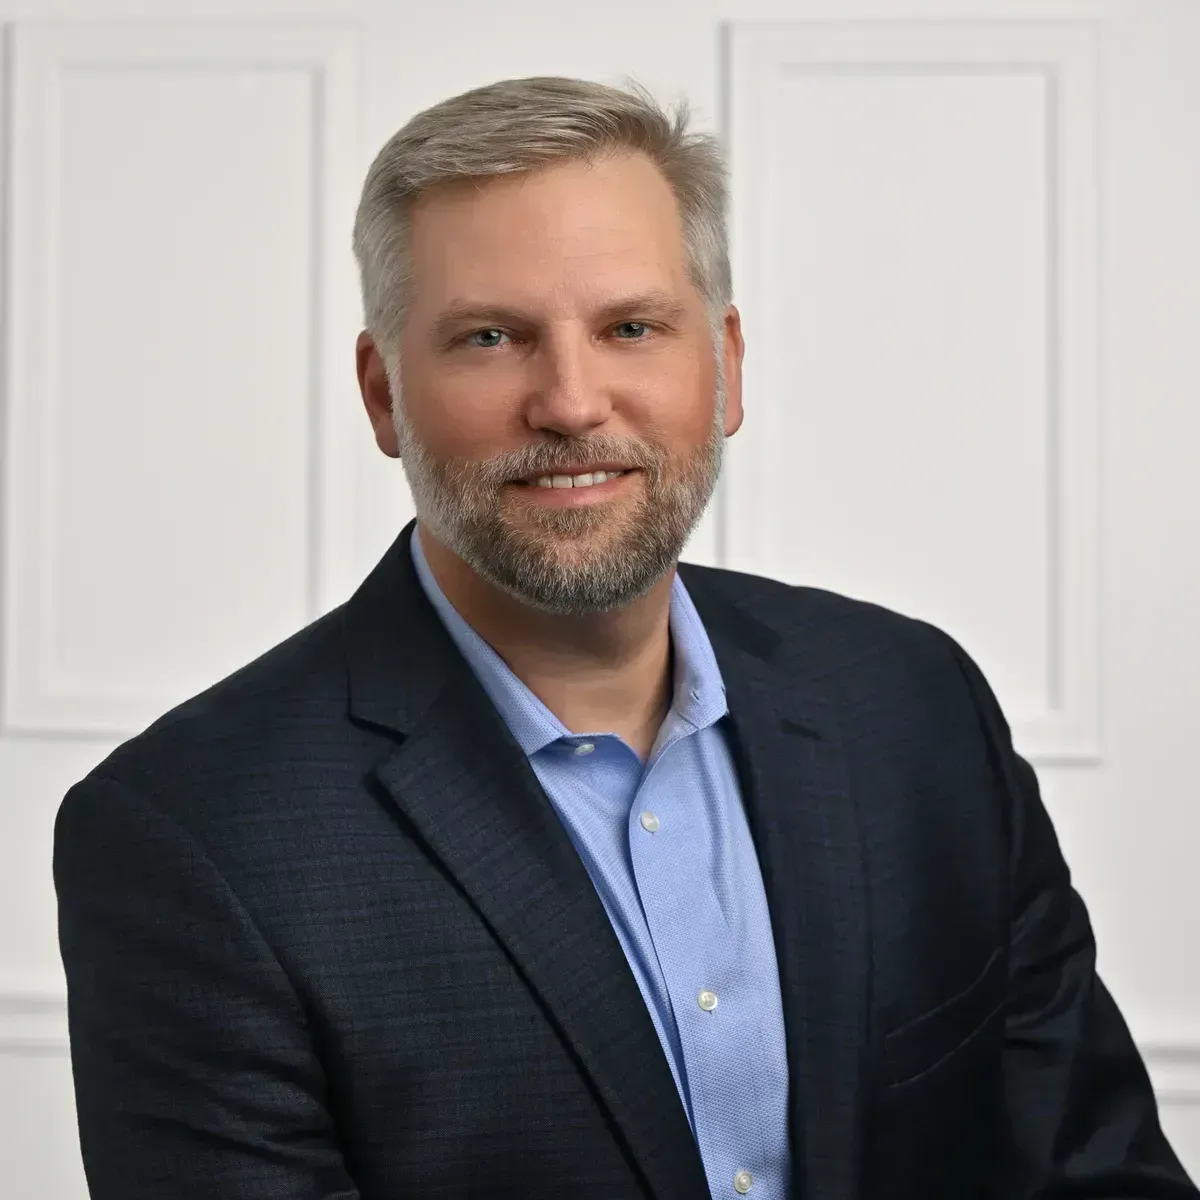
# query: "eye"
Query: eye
{"points": [[485, 339], [631, 331]]}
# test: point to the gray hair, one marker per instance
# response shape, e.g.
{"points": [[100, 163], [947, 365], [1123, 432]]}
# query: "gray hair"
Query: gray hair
{"points": [[521, 125]]}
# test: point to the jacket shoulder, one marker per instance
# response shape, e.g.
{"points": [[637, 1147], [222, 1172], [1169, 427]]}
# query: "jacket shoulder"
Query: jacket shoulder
{"points": [[807, 618], [283, 697], [890, 675]]}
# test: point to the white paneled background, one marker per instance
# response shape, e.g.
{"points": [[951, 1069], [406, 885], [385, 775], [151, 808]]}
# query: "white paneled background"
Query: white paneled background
{"points": [[967, 252], [180, 306], [917, 258]]}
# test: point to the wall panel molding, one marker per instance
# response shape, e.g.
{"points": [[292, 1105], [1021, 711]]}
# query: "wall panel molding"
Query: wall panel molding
{"points": [[48, 690], [1061, 723]]}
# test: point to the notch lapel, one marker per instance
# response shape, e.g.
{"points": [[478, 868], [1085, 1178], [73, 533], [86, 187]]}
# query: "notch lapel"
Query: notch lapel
{"points": [[796, 790], [460, 780]]}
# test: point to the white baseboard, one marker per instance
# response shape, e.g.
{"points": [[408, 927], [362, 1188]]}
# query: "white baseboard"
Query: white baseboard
{"points": [[33, 1022], [1174, 1067]]}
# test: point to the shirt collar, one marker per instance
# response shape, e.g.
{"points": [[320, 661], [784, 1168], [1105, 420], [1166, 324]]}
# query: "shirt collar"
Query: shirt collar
{"points": [[699, 693]]}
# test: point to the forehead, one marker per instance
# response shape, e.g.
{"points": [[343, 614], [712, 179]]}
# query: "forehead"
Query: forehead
{"points": [[566, 228]]}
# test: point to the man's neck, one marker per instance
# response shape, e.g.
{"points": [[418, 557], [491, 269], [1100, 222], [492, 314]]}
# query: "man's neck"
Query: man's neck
{"points": [[604, 671]]}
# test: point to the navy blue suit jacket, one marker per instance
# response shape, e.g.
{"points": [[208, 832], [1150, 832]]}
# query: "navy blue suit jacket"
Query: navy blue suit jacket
{"points": [[325, 938]]}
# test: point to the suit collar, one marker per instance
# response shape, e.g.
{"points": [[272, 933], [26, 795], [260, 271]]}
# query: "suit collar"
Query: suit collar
{"points": [[531, 723], [459, 778], [399, 657]]}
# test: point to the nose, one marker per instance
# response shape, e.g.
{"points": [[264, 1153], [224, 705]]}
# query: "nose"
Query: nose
{"points": [[570, 395]]}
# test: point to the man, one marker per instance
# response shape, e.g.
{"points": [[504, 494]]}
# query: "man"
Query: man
{"points": [[540, 868]]}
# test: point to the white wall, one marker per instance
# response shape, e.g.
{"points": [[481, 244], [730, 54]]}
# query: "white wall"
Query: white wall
{"points": [[966, 250]]}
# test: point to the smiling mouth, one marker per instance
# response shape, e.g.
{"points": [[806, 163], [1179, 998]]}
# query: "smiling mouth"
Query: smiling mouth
{"points": [[581, 480]]}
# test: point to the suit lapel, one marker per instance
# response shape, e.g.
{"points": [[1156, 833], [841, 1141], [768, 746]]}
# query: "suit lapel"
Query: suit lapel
{"points": [[794, 774], [460, 781]]}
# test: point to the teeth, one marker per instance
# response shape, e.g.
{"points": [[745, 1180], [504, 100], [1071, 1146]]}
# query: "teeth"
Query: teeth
{"points": [[585, 480]]}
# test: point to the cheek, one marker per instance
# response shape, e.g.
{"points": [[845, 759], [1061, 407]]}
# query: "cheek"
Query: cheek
{"points": [[676, 406], [461, 415]]}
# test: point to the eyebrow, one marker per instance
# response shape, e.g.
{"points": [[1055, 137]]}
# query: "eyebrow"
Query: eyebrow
{"points": [[659, 304]]}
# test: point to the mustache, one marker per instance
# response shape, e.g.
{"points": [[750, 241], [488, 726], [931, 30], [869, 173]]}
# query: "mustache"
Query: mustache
{"points": [[551, 458]]}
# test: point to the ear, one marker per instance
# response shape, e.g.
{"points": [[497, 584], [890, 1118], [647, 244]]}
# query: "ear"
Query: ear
{"points": [[376, 393], [735, 349]]}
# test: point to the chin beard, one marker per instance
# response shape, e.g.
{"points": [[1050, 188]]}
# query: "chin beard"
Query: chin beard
{"points": [[577, 561]]}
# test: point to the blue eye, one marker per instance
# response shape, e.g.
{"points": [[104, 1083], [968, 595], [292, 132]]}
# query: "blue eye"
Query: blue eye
{"points": [[488, 335], [631, 331]]}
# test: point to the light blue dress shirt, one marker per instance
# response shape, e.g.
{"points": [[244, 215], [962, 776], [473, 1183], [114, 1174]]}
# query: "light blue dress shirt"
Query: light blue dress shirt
{"points": [[669, 850]]}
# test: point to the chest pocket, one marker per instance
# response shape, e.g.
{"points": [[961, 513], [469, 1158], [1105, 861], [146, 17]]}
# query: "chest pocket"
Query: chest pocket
{"points": [[918, 1047]]}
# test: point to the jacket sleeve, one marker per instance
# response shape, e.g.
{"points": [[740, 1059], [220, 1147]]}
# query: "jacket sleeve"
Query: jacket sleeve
{"points": [[195, 1074], [1082, 1120]]}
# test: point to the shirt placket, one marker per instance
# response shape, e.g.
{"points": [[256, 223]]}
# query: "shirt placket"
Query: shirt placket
{"points": [[716, 1019]]}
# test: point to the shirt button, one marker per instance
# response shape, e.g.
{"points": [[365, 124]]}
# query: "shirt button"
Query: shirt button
{"points": [[649, 822], [585, 748], [742, 1182], [708, 1001]]}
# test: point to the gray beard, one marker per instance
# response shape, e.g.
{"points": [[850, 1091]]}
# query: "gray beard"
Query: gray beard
{"points": [[564, 561]]}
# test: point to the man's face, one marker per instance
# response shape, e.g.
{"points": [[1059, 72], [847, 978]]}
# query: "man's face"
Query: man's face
{"points": [[554, 334]]}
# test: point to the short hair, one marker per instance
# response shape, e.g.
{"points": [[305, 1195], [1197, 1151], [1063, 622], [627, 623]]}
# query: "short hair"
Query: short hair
{"points": [[520, 125]]}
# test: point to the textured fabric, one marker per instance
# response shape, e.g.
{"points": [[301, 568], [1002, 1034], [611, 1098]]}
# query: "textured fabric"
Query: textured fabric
{"points": [[326, 938], [685, 899]]}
